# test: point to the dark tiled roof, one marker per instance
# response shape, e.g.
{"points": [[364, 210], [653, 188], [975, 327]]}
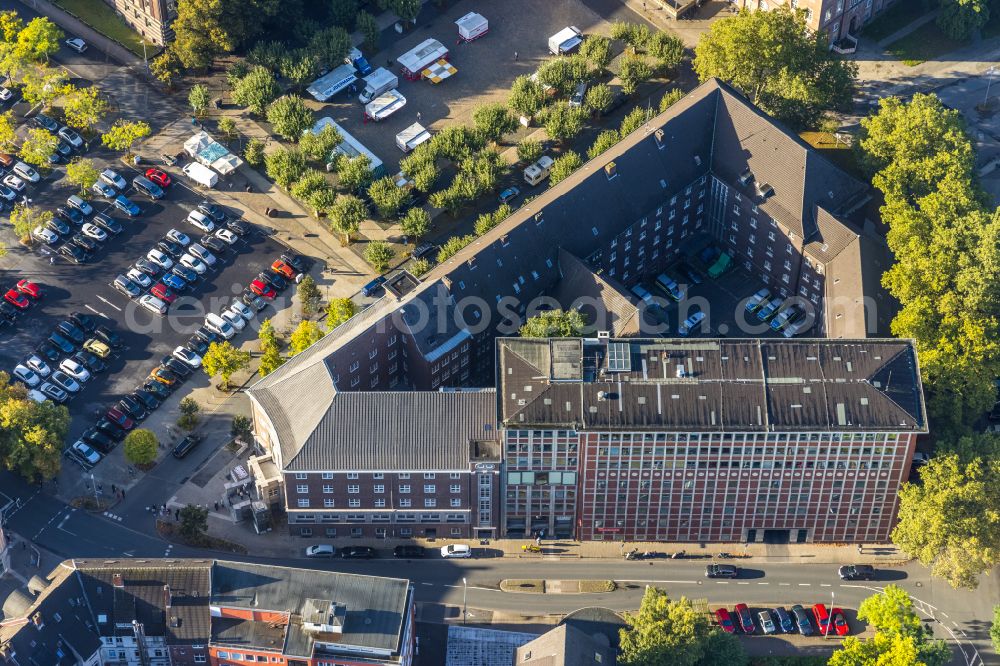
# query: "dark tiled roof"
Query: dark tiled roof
{"points": [[711, 385], [398, 430], [565, 646], [604, 303]]}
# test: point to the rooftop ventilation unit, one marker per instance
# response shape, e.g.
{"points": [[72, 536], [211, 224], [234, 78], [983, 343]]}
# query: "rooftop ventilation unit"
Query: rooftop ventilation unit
{"points": [[661, 144], [611, 169], [765, 191], [746, 177]]}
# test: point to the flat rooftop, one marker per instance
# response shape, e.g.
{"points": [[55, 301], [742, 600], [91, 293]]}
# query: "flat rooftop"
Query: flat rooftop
{"points": [[711, 385]]}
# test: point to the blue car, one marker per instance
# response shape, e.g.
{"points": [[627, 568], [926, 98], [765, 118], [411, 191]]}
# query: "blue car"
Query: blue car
{"points": [[175, 282], [127, 206]]}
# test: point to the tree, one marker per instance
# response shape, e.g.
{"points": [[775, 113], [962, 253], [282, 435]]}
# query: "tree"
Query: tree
{"points": [[166, 67], [83, 173], [880, 649], [338, 311], [415, 224], [597, 50], [289, 117], [670, 98], [493, 121], [123, 134], [268, 55], [25, 218], [304, 335], [674, 633], [562, 122], [189, 409], [321, 200], [406, 10], [487, 221], [563, 74], [529, 150], [667, 50], [271, 358], [526, 96], [10, 25], [633, 70], [308, 182], [199, 33], [141, 446], [309, 295], [39, 39], [995, 628], [365, 24], [635, 35], [299, 67], [225, 360], [83, 108], [227, 126], [452, 246], [456, 142], [554, 324], [254, 152], [599, 97], [635, 119], [604, 141], [346, 215], [387, 196], [318, 146], [8, 135], [959, 19], [199, 98], [256, 90], [950, 521], [563, 166], [330, 45], [242, 427], [777, 62], [38, 146], [284, 166], [193, 519], [43, 85], [355, 172], [378, 253], [31, 434], [419, 266]]}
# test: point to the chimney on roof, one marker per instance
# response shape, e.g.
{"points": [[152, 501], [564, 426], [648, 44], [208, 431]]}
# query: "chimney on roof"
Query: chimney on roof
{"points": [[37, 619], [659, 135], [764, 190], [167, 597], [746, 177], [447, 282], [604, 336], [118, 580], [611, 169]]}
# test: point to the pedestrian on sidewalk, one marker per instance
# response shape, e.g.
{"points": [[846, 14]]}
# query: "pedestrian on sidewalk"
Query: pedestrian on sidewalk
{"points": [[114, 490], [216, 506], [418, 116], [515, 56], [860, 549]]}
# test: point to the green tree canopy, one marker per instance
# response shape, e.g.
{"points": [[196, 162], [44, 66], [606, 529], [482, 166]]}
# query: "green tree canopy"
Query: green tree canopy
{"points": [[8, 133], [140, 446], [355, 172], [43, 85], [83, 173], [304, 335], [83, 108], [123, 135], [285, 166], [597, 51], [451, 246], [199, 98], [995, 628], [563, 166], [194, 522], [254, 152], [599, 97], [563, 122], [271, 358], [39, 39], [31, 434], [487, 221], [289, 117], [308, 294], [338, 311], [387, 196], [166, 67], [224, 360], [604, 141], [554, 324], [378, 253], [958, 19], [633, 70], [256, 90], [778, 62], [346, 215], [529, 150], [526, 96], [493, 121], [317, 146], [24, 218], [415, 224], [38, 146], [10, 25], [200, 33]]}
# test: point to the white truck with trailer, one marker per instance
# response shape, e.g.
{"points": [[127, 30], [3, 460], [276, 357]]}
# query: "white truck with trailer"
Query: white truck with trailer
{"points": [[376, 83], [565, 40], [411, 137], [384, 105], [328, 85], [414, 61], [538, 171], [472, 26], [201, 174]]}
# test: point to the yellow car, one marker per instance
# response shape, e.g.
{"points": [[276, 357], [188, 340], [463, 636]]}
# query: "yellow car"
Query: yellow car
{"points": [[95, 346], [163, 375]]}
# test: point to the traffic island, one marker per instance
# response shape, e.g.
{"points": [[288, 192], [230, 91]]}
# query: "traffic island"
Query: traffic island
{"points": [[539, 586]]}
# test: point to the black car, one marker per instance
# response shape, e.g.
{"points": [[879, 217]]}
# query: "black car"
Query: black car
{"points": [[253, 300], [212, 211], [110, 428], [357, 552], [84, 242], [148, 400], [62, 344], [109, 224], [170, 248], [109, 337], [182, 370], [185, 273], [70, 330], [90, 361], [45, 122], [617, 99], [48, 350], [693, 276], [133, 408], [98, 440], [214, 244], [721, 571], [71, 215], [84, 321], [185, 445], [197, 345], [74, 253], [208, 336], [64, 148], [56, 225], [238, 227], [409, 552], [148, 267], [8, 311], [857, 572], [158, 389], [295, 261], [273, 279]]}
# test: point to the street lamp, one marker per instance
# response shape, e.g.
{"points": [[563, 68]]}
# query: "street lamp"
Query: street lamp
{"points": [[465, 599], [989, 81]]}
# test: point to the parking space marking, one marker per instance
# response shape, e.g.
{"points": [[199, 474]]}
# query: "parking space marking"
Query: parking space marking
{"points": [[95, 311], [107, 302]]}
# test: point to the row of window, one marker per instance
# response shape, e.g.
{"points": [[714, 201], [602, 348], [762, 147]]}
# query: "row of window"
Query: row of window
{"points": [[359, 532], [352, 476], [379, 489], [379, 518], [404, 503]]}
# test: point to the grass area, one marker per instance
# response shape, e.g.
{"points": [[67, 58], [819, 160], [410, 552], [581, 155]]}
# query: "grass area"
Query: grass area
{"points": [[104, 20], [597, 586], [530, 585], [839, 153], [895, 18], [925, 43]]}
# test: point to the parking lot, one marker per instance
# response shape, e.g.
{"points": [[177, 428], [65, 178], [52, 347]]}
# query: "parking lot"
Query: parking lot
{"points": [[486, 69]]}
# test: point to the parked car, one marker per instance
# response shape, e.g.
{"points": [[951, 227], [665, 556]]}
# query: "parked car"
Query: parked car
{"points": [[357, 552], [43, 235], [693, 276], [71, 331], [153, 304], [198, 250], [61, 343], [84, 242], [839, 622], [95, 232], [456, 550], [98, 440], [174, 281], [320, 550], [133, 408], [90, 361], [27, 375], [262, 289], [187, 356], [785, 620], [227, 236], [109, 336], [745, 619], [691, 323], [127, 206], [159, 177], [35, 363], [116, 415], [161, 391], [822, 619], [201, 221], [238, 227], [214, 244], [102, 189], [170, 248], [193, 263], [110, 428], [158, 257], [65, 382], [77, 202], [276, 281], [212, 211], [725, 620], [139, 278], [113, 179], [766, 622], [95, 346], [760, 297], [54, 393], [109, 224], [178, 237], [147, 187], [183, 272], [409, 552], [70, 215], [74, 253], [509, 195], [802, 620], [26, 173], [253, 300], [219, 325], [83, 454], [17, 299], [163, 292], [163, 375], [147, 398], [182, 370], [423, 249], [44, 122], [26, 286], [76, 44]]}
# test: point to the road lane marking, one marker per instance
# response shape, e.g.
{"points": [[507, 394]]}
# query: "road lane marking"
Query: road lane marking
{"points": [[765, 583], [722, 582], [109, 303], [944, 614], [784, 584], [804, 584], [643, 580], [427, 583], [824, 585], [742, 583]]}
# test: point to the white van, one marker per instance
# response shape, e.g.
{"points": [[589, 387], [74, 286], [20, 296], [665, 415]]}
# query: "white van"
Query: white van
{"points": [[153, 304], [217, 324], [376, 83]]}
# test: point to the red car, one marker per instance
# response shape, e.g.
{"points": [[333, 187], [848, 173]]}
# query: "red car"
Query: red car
{"points": [[839, 622], [29, 288], [822, 619], [746, 620], [17, 299], [117, 416], [725, 621], [158, 177], [164, 293], [258, 287]]}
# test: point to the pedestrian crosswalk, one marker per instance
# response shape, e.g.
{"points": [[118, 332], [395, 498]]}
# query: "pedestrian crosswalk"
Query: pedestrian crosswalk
{"points": [[112, 516]]}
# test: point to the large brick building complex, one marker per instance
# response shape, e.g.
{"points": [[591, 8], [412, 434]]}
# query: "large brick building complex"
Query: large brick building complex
{"points": [[837, 18]]}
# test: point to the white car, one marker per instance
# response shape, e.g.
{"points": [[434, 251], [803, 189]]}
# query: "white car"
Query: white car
{"points": [[160, 258], [45, 235], [27, 375], [37, 396], [201, 221], [179, 237], [102, 189], [235, 320], [320, 550], [217, 324], [139, 278], [198, 250], [13, 182], [86, 453], [36, 363], [75, 370], [153, 304], [65, 382], [70, 137], [188, 357], [227, 236], [5, 95], [456, 550], [194, 263], [22, 170], [112, 178], [76, 44], [241, 308], [94, 232]]}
